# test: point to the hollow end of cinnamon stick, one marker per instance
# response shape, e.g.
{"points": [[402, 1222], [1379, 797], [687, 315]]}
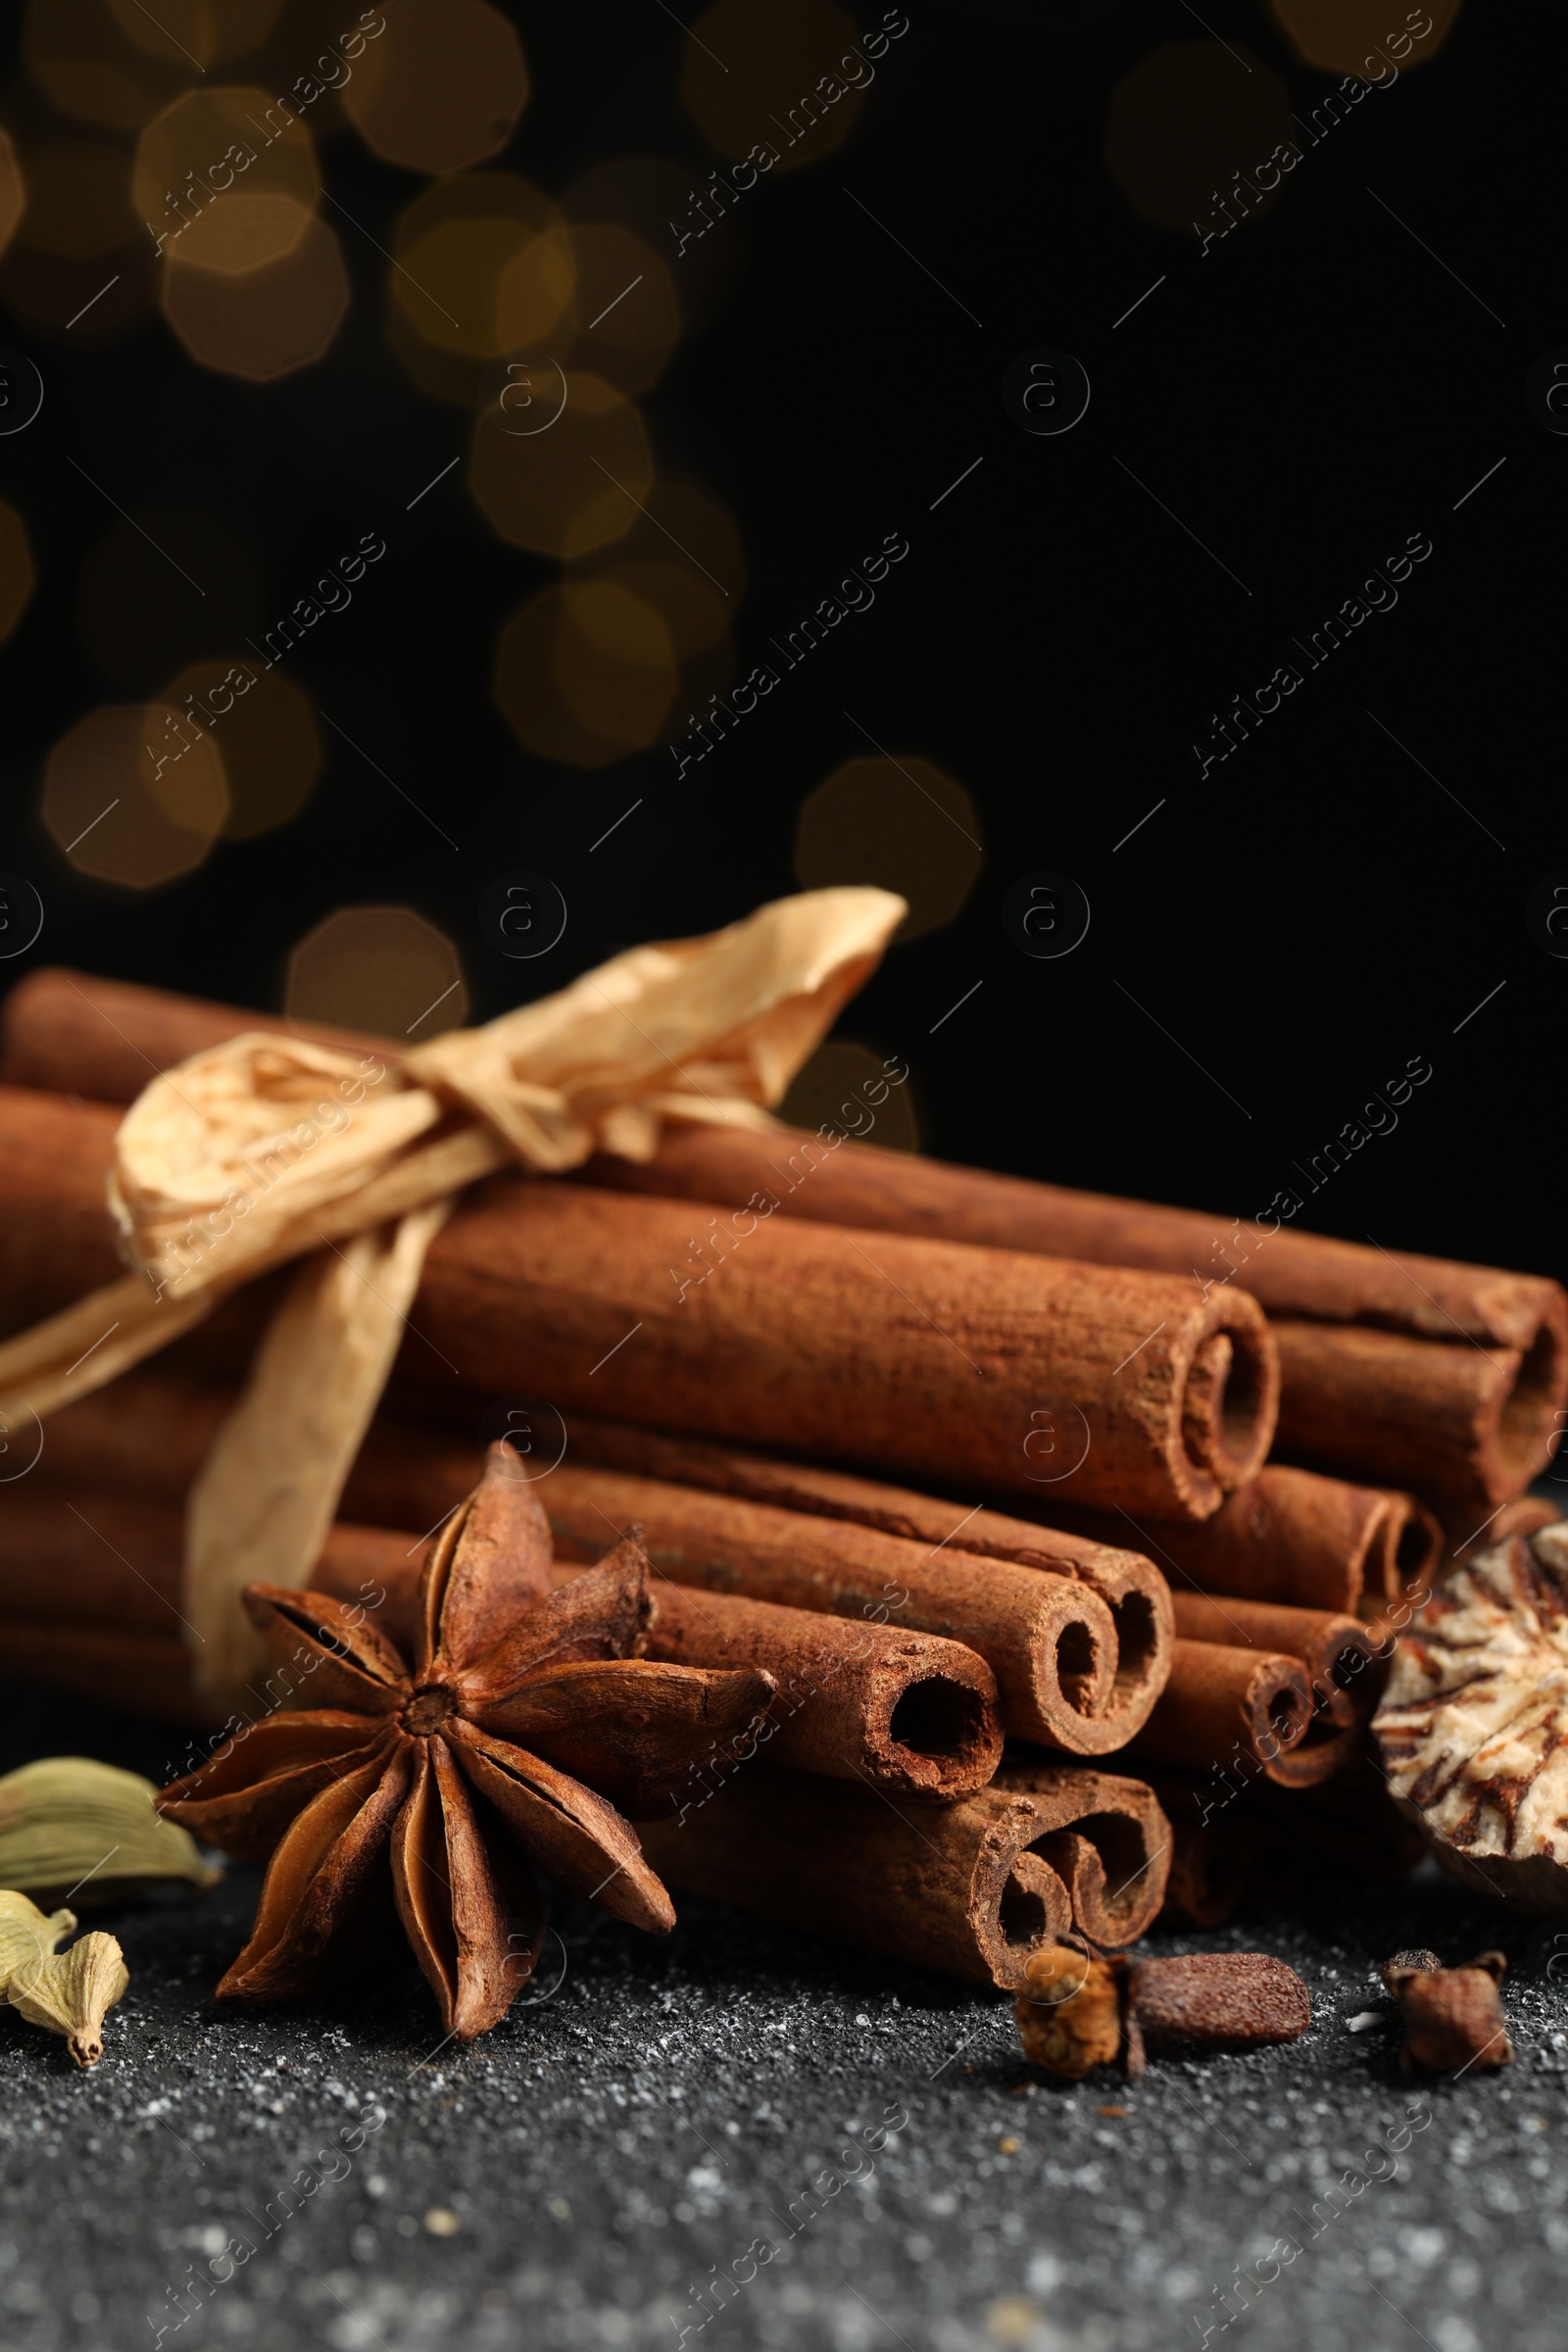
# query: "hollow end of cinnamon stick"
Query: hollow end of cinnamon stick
{"points": [[906, 1712], [1223, 1705], [1108, 1685], [1410, 1546], [1104, 1836], [957, 1888]]}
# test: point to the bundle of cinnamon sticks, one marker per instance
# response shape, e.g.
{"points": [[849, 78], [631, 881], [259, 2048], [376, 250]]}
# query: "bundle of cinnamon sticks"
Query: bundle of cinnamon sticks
{"points": [[1136, 1646]]}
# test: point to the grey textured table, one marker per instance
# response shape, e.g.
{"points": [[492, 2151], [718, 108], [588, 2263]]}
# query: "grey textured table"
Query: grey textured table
{"points": [[854, 2147]]}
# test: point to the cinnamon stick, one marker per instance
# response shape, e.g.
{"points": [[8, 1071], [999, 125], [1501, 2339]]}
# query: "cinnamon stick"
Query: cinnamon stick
{"points": [[1109, 1844], [1337, 1651], [1132, 1588], [1049, 1641], [84, 1568], [953, 1888], [923, 1355], [149, 1433], [908, 1713], [1459, 1433], [1230, 1707], [1295, 1536]]}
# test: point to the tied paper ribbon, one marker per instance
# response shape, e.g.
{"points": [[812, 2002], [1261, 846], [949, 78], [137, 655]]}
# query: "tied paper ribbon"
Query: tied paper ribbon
{"points": [[269, 1148]]}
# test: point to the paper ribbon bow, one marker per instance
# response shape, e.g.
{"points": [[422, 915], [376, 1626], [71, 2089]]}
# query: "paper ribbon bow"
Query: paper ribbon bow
{"points": [[269, 1148]]}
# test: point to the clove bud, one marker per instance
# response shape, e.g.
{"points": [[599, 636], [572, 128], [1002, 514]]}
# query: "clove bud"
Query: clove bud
{"points": [[1452, 2016], [1080, 2011]]}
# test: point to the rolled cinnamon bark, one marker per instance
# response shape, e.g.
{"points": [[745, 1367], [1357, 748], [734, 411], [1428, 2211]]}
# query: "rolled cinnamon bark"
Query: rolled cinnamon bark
{"points": [[1110, 1844], [141, 1674], [1213, 1847], [1132, 1588], [1227, 1707], [1292, 1535], [1049, 1641], [1456, 1433], [1460, 1423], [149, 1433], [955, 1886], [904, 1711], [960, 1362], [1337, 1651], [1521, 1518]]}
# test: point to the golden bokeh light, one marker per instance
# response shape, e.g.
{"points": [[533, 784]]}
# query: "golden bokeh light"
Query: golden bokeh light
{"points": [[630, 321], [12, 192], [79, 54], [80, 261], [381, 969], [572, 486], [264, 731], [650, 197], [483, 265], [442, 88], [851, 1089], [134, 793], [1341, 36], [1189, 124], [899, 823], [209, 31], [262, 322], [16, 575], [780, 78], [226, 178], [585, 674]]}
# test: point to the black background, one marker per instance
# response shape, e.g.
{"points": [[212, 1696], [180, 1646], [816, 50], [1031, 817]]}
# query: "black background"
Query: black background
{"points": [[1303, 396]]}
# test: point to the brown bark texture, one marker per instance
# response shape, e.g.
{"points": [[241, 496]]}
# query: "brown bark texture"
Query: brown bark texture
{"points": [[1452, 1431], [149, 1433], [1049, 1641], [957, 1888], [1293, 1536]]}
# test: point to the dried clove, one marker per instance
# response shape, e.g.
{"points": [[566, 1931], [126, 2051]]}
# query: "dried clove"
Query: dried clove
{"points": [[1081, 2011], [1452, 2016]]}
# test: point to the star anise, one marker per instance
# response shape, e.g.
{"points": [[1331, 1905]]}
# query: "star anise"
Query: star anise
{"points": [[523, 1731]]}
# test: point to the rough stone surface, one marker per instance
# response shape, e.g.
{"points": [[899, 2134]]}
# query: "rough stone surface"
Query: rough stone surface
{"points": [[581, 2178]]}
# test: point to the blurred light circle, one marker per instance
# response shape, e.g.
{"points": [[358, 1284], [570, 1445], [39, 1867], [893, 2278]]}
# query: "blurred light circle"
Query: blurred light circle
{"points": [[578, 683], [1185, 122], [80, 59], [650, 197], [695, 616], [899, 823], [614, 662], [441, 88], [1345, 36], [572, 489], [16, 575], [678, 523], [264, 731], [13, 191], [133, 795], [80, 263], [761, 74], [263, 323], [208, 31], [78, 204], [630, 320], [382, 968], [204, 163], [452, 248], [847, 1087], [158, 590]]}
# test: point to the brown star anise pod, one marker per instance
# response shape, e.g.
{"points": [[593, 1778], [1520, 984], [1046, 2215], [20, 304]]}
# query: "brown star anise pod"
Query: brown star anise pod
{"points": [[523, 1731]]}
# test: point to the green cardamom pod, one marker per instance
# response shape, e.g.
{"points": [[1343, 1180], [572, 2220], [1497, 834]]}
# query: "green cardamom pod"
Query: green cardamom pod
{"points": [[70, 1825]]}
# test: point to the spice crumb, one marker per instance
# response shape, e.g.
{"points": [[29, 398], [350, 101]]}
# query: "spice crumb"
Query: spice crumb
{"points": [[1009, 2146], [442, 2221], [1110, 2111]]}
